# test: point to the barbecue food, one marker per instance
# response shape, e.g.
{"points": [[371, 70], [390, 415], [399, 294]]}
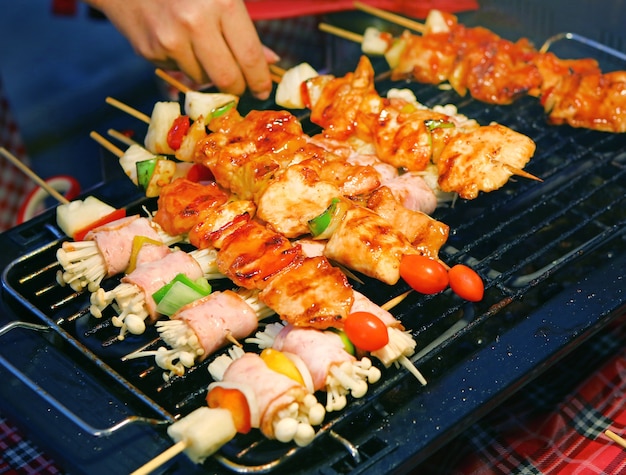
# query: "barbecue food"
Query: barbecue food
{"points": [[107, 251], [332, 368], [203, 326], [287, 410], [494, 70], [482, 159], [409, 136], [77, 217], [133, 297], [280, 407]]}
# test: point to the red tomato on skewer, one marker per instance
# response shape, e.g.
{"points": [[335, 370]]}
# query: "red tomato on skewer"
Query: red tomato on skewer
{"points": [[366, 331], [423, 274], [466, 283]]}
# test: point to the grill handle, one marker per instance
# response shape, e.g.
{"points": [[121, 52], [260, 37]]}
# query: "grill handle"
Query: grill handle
{"points": [[96, 432]]}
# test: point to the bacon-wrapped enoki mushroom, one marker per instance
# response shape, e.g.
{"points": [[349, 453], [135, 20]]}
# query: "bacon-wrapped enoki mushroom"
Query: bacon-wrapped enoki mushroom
{"points": [[107, 250], [247, 394], [332, 367], [203, 326], [133, 297], [286, 409], [400, 344]]}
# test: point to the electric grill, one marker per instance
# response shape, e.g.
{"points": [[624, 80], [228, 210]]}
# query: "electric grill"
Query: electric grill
{"points": [[552, 254]]}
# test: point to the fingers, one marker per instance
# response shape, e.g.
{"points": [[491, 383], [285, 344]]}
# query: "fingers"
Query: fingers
{"points": [[242, 39]]}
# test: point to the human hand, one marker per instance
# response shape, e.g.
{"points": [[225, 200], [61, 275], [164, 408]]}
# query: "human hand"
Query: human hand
{"points": [[209, 40]]}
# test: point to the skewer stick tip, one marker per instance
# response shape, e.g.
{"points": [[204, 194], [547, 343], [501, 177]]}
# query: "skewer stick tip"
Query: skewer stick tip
{"points": [[615, 438], [118, 152], [129, 110], [162, 458], [341, 33], [522, 173], [33, 176], [172, 81]]}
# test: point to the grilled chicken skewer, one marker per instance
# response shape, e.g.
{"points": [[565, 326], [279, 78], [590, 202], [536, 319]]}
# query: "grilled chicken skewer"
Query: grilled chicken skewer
{"points": [[412, 137], [498, 71]]}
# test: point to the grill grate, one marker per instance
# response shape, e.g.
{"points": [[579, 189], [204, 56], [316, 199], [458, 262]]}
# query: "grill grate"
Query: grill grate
{"points": [[530, 241]]}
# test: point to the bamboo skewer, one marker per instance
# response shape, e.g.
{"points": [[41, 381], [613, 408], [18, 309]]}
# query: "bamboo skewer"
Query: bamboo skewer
{"points": [[615, 438], [341, 33], [522, 173], [125, 139], [172, 81], [277, 70], [392, 17], [33, 176], [129, 110], [160, 459], [118, 152]]}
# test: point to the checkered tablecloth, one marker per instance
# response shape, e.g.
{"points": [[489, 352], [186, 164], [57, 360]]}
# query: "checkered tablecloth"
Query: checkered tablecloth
{"points": [[14, 184], [556, 424], [19, 456]]}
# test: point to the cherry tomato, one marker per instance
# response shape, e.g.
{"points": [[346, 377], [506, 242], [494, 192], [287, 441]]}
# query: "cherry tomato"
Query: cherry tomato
{"points": [[366, 331], [424, 274], [466, 283]]}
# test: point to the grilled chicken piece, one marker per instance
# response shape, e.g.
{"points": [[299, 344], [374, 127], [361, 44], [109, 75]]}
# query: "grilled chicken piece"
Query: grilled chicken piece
{"points": [[184, 203], [245, 155], [427, 59], [552, 69], [311, 293], [368, 243], [293, 198], [425, 234], [224, 219], [407, 137], [351, 180], [347, 105], [594, 101], [474, 60], [252, 254], [482, 160]]}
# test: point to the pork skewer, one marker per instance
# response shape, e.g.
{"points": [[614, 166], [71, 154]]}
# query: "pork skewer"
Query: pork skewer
{"points": [[288, 410], [133, 298], [107, 250], [398, 346], [265, 399], [201, 327]]}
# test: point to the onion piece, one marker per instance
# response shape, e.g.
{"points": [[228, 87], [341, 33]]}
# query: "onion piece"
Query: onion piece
{"points": [[303, 369]]}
